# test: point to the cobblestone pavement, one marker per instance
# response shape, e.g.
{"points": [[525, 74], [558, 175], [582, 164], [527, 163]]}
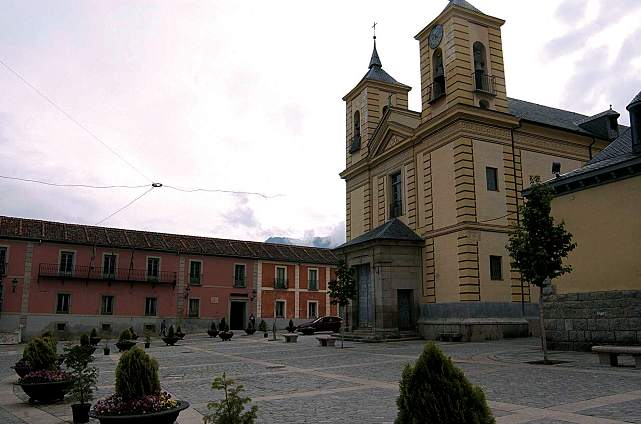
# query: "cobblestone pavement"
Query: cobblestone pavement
{"points": [[302, 382]]}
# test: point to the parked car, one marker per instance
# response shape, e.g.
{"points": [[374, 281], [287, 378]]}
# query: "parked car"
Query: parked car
{"points": [[321, 324]]}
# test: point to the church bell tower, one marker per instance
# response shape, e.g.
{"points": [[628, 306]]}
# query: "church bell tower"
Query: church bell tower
{"points": [[461, 61]]}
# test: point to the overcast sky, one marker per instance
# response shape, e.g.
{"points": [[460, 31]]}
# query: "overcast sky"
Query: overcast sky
{"points": [[246, 95]]}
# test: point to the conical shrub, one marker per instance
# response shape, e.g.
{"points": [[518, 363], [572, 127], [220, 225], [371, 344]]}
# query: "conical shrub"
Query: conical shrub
{"points": [[137, 375], [40, 355], [434, 391]]}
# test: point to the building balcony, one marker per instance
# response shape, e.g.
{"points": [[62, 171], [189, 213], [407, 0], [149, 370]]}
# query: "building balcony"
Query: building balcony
{"points": [[484, 83], [82, 272], [240, 284], [280, 284], [436, 90]]}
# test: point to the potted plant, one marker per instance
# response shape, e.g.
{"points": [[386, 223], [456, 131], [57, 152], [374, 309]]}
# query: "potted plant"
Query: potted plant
{"points": [[179, 333], [45, 382], [147, 340], [93, 337], [291, 328], [134, 336], [213, 331], [138, 398], [21, 367], [231, 408], [85, 378], [106, 349], [170, 339], [85, 342], [250, 330], [124, 341], [227, 334], [263, 327]]}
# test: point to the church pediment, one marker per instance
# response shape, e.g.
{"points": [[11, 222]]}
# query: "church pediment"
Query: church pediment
{"points": [[394, 129]]}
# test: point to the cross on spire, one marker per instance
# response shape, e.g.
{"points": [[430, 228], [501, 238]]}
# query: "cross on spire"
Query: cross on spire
{"points": [[374, 27]]}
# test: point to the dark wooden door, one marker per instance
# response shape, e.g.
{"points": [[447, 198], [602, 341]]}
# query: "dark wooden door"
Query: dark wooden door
{"points": [[405, 309], [237, 315], [365, 297]]}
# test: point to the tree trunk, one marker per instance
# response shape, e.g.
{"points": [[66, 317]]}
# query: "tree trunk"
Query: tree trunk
{"points": [[544, 344]]}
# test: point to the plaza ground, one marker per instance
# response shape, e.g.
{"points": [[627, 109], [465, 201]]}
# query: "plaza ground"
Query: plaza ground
{"points": [[302, 382]]}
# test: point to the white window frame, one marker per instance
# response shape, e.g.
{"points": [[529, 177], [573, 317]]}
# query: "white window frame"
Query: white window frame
{"points": [[200, 278], [309, 270], [6, 259], [73, 260], [317, 303], [102, 264], [113, 304], [284, 302], [276, 268], [244, 274], [150, 277]]}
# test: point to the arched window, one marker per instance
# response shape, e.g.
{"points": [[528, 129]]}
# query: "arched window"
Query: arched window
{"points": [[438, 86], [356, 140], [480, 68]]}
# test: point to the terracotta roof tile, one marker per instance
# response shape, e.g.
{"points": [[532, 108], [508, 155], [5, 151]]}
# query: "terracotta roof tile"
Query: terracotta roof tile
{"points": [[22, 228]]}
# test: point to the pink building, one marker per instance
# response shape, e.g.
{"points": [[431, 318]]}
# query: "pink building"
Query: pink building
{"points": [[70, 278]]}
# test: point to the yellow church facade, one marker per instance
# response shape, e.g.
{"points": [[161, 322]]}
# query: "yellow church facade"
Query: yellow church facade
{"points": [[431, 194]]}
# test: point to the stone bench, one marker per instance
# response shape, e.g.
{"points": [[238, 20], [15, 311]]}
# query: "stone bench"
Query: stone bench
{"points": [[610, 354], [326, 341], [291, 338], [450, 337]]}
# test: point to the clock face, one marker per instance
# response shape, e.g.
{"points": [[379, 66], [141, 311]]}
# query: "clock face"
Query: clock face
{"points": [[436, 36]]}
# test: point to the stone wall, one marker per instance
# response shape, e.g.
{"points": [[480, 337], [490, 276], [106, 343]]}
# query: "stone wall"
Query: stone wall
{"points": [[578, 321]]}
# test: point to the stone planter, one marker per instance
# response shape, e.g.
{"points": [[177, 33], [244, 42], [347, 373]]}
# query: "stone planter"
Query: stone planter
{"points": [[46, 392], [180, 335], [164, 417], [212, 333], [250, 331], [80, 412], [125, 345], [170, 341], [226, 335], [94, 340]]}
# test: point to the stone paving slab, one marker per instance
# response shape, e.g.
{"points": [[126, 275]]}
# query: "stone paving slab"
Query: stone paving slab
{"points": [[301, 383]]}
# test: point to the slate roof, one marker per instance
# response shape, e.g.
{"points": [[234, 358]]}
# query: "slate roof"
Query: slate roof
{"points": [[376, 72], [58, 232], [637, 99], [615, 161], [393, 229], [608, 112], [463, 4], [546, 115]]}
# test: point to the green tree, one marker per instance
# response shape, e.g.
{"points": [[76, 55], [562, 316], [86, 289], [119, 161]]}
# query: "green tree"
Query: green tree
{"points": [[343, 289], [85, 377], [231, 408], [538, 245], [434, 391]]}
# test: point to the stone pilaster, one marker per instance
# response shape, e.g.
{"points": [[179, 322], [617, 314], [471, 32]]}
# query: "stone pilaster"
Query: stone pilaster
{"points": [[297, 291], [180, 289], [328, 306], [26, 283], [258, 286]]}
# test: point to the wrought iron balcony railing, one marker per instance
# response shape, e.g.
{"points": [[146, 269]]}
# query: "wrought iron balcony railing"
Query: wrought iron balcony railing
{"points": [[240, 283], [280, 284], [436, 90], [97, 273], [395, 209], [484, 83]]}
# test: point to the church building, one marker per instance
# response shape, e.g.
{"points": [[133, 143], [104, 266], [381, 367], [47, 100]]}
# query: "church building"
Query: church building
{"points": [[431, 194]]}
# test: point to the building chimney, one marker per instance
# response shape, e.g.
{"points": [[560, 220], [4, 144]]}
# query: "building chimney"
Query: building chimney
{"points": [[635, 122]]}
